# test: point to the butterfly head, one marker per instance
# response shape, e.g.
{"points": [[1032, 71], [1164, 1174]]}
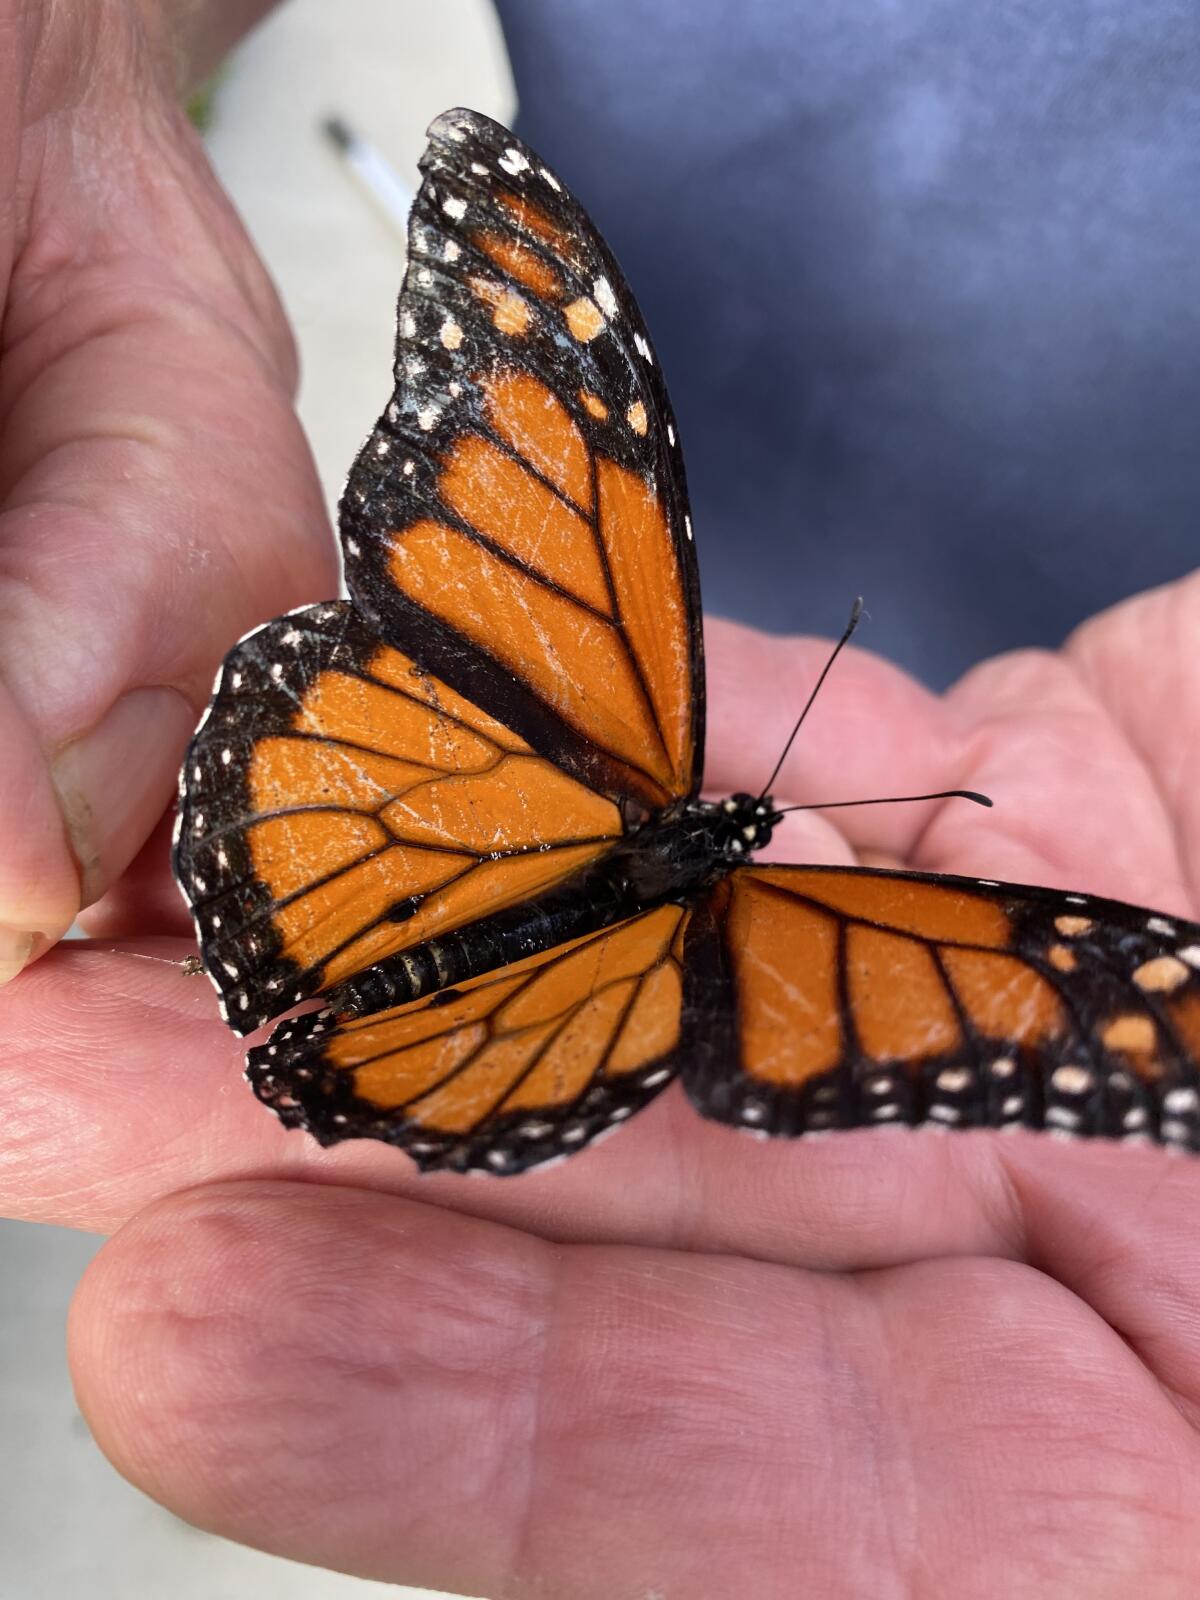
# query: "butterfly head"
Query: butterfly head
{"points": [[744, 823]]}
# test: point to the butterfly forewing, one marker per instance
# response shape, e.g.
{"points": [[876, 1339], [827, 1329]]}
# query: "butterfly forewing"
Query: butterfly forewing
{"points": [[341, 804], [505, 1071], [518, 518], [822, 998]]}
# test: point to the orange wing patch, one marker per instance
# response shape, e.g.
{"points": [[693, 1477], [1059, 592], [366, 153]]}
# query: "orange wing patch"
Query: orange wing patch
{"points": [[907, 904], [901, 1006], [538, 427], [508, 1070], [510, 312], [580, 596], [522, 263], [369, 809]]}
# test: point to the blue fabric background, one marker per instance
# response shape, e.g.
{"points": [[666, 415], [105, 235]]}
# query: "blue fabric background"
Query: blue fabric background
{"points": [[925, 280]]}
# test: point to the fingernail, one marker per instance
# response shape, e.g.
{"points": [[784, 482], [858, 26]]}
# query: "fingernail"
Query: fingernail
{"points": [[115, 782], [16, 951]]}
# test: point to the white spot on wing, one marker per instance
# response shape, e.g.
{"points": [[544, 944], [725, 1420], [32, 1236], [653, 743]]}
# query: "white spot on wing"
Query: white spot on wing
{"points": [[1072, 1080], [513, 161], [602, 292], [1061, 1117], [455, 207], [954, 1079]]}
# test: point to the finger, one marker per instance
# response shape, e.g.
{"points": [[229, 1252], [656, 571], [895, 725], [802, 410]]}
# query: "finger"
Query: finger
{"points": [[158, 500], [38, 879], [1074, 804], [872, 731], [1139, 659], [419, 1397], [1133, 1255], [123, 1085]]}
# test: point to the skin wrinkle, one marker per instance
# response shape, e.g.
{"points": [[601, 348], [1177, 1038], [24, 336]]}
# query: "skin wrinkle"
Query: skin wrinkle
{"points": [[901, 1510], [524, 1532], [139, 286]]}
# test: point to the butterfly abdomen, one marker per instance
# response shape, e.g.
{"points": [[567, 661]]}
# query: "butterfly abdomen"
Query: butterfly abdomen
{"points": [[666, 860]]}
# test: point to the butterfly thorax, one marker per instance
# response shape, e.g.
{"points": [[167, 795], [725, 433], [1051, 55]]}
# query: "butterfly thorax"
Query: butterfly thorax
{"points": [[670, 857]]}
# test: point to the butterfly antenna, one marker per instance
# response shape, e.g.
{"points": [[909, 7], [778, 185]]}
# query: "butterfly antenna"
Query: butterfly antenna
{"points": [[855, 614], [892, 800]]}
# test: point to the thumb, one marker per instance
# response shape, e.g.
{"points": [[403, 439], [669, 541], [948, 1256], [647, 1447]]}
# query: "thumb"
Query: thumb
{"points": [[157, 499]]}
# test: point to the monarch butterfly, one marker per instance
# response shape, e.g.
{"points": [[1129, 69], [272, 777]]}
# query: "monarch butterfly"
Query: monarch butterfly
{"points": [[465, 806]]}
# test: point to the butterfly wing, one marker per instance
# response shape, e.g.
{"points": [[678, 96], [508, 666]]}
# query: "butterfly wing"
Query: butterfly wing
{"points": [[339, 804], [820, 998], [504, 1072], [518, 519]]}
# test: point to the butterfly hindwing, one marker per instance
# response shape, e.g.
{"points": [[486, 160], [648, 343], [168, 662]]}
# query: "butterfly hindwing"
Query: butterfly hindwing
{"points": [[518, 518], [341, 804], [503, 1072], [822, 998]]}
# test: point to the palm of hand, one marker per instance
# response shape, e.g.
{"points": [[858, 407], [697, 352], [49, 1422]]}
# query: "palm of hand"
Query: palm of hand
{"points": [[684, 1363], [956, 1364]]}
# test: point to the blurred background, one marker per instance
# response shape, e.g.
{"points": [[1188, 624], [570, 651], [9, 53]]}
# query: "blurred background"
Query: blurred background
{"points": [[70, 1528]]}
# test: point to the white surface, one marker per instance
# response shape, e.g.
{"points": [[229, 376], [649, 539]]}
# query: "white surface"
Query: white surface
{"points": [[70, 1528], [387, 67]]}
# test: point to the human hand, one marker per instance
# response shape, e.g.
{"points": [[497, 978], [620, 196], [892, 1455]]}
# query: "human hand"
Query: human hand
{"points": [[684, 1362], [156, 492]]}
